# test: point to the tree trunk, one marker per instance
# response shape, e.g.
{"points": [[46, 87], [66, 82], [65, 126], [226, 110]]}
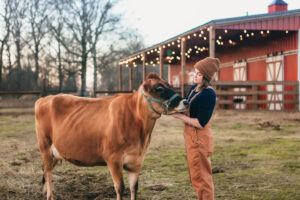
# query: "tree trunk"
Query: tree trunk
{"points": [[18, 45], [9, 59], [60, 75], [83, 75], [37, 67], [1, 64], [95, 68]]}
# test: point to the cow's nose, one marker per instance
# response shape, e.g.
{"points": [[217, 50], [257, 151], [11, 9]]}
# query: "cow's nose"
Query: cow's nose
{"points": [[185, 103]]}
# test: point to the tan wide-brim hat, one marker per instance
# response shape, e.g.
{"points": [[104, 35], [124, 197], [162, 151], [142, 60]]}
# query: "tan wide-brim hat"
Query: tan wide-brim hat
{"points": [[208, 67]]}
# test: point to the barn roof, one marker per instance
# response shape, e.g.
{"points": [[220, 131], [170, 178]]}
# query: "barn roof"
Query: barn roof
{"points": [[280, 21], [278, 2]]}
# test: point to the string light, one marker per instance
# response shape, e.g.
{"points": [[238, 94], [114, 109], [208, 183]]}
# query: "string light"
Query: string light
{"points": [[132, 61]]}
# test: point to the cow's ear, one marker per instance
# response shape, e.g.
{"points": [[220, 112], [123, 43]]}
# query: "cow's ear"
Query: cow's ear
{"points": [[153, 75], [147, 85]]}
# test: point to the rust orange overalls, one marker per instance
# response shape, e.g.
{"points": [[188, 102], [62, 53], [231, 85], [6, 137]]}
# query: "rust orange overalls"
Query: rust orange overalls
{"points": [[199, 147]]}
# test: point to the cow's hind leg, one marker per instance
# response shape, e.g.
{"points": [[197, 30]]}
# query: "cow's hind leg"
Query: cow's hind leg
{"points": [[48, 169], [55, 161], [48, 161], [116, 173], [133, 182]]}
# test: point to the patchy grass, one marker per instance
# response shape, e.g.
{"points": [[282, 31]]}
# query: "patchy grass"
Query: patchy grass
{"points": [[257, 156]]}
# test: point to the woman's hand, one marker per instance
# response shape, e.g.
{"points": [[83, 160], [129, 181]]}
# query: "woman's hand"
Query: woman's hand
{"points": [[177, 115], [187, 120]]}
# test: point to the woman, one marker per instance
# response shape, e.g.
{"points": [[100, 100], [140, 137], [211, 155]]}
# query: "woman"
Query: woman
{"points": [[197, 127]]}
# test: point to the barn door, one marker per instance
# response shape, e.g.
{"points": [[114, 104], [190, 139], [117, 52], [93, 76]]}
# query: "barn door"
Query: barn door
{"points": [[275, 69], [240, 74]]}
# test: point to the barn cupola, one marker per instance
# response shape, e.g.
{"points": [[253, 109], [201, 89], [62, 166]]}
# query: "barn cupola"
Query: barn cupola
{"points": [[277, 6]]}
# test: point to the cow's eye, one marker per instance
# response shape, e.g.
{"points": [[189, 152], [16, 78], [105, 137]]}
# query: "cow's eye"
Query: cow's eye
{"points": [[159, 89]]}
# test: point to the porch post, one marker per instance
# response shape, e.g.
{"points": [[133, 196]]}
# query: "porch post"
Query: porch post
{"points": [[183, 64], [120, 77], [130, 76], [144, 66], [212, 41], [161, 62]]}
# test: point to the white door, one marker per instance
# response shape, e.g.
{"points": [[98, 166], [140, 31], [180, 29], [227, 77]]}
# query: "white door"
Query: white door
{"points": [[275, 69], [240, 74], [176, 82]]}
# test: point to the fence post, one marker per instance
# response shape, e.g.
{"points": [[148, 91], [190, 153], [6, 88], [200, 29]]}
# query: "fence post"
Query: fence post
{"points": [[254, 97], [296, 95]]}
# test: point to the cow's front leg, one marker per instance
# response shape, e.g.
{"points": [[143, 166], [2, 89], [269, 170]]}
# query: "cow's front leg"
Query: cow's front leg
{"points": [[116, 173], [133, 182]]}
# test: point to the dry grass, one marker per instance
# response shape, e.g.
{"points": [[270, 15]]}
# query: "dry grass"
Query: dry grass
{"points": [[257, 156]]}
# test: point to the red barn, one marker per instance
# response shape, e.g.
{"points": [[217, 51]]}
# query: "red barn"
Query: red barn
{"points": [[252, 49]]}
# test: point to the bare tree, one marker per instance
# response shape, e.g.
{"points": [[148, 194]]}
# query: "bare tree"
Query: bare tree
{"points": [[129, 43], [105, 24], [86, 21], [18, 11], [37, 17], [6, 18]]}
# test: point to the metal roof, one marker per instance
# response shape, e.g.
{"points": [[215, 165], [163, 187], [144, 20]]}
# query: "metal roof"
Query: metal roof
{"points": [[278, 2], [284, 20]]}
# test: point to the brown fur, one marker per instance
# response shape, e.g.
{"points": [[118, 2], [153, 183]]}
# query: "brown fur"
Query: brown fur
{"points": [[113, 131]]}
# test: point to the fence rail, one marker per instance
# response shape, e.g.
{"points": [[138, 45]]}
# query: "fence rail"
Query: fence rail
{"points": [[254, 95], [110, 92]]}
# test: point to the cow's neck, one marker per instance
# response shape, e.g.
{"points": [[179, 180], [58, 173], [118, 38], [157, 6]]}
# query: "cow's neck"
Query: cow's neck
{"points": [[146, 114]]}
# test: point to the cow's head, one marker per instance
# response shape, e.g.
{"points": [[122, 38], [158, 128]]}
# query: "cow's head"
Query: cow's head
{"points": [[161, 97]]}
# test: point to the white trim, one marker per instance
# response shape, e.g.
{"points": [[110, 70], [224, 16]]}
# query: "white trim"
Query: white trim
{"points": [[240, 64], [259, 58], [274, 58], [299, 69]]}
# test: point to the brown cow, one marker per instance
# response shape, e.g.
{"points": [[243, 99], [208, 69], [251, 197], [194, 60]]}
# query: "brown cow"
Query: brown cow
{"points": [[113, 131]]}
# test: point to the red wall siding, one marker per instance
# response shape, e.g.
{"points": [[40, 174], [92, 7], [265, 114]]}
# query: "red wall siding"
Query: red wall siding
{"points": [[260, 48], [257, 71], [226, 74], [290, 67], [290, 74]]}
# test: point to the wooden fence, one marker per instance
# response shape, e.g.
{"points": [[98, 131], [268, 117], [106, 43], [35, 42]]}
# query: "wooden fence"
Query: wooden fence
{"points": [[254, 95], [14, 103]]}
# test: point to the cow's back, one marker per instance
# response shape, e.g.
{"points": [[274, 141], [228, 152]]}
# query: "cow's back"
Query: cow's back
{"points": [[72, 124]]}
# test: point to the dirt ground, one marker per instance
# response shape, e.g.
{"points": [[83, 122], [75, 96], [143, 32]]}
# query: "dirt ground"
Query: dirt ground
{"points": [[257, 156]]}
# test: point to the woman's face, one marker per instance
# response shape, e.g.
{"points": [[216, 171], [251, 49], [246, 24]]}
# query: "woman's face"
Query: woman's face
{"points": [[198, 77]]}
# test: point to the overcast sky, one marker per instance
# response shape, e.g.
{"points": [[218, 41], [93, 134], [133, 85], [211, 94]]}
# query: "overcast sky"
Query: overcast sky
{"points": [[158, 20]]}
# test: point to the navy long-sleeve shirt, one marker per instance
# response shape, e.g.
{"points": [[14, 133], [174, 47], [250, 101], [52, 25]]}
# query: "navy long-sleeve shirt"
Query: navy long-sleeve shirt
{"points": [[203, 105]]}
